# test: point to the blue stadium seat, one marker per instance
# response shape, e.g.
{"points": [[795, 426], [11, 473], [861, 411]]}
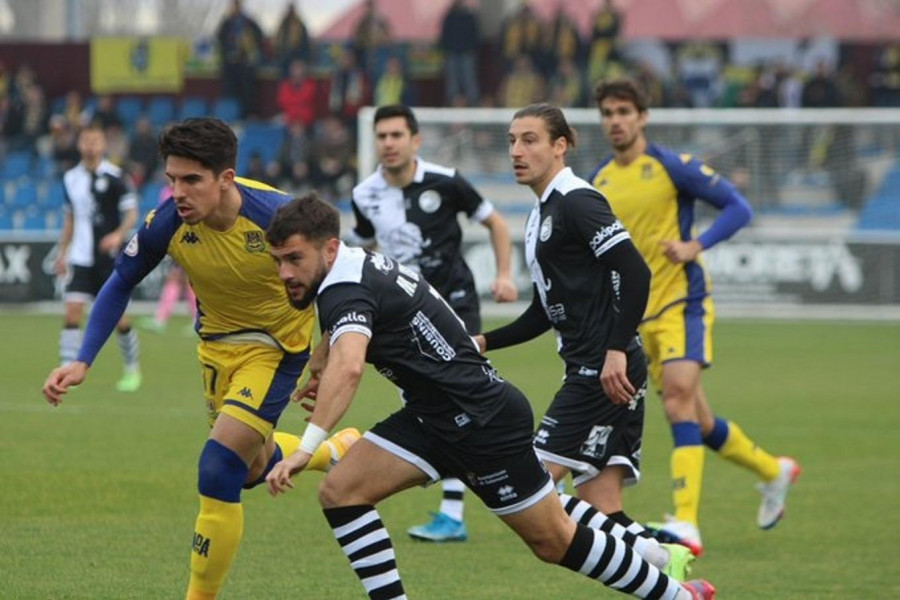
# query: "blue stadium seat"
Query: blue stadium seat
{"points": [[24, 196], [882, 210], [43, 168], [54, 196], [193, 106], [6, 223], [16, 164], [226, 109], [262, 139], [161, 110], [34, 219], [129, 108]]}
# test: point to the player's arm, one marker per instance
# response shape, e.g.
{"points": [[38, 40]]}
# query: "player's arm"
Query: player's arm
{"points": [[363, 232], [701, 182], [530, 324], [65, 240], [128, 209], [340, 380], [502, 289]]}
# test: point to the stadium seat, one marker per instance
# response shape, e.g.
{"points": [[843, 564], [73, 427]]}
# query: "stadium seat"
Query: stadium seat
{"points": [[54, 196], [161, 110], [226, 109], [262, 139], [6, 223], [43, 168], [193, 106], [24, 196], [129, 108], [16, 164], [34, 220]]}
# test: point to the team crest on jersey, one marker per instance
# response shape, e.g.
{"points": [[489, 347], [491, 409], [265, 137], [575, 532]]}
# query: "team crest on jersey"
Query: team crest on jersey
{"points": [[132, 248], [382, 262], [254, 242], [101, 185], [647, 171], [546, 229], [430, 201]]}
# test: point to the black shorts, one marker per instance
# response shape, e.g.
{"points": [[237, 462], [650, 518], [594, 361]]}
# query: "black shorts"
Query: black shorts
{"points": [[585, 432], [496, 461], [86, 282]]}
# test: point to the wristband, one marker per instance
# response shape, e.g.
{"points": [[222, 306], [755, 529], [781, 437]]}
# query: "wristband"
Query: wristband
{"points": [[312, 438]]}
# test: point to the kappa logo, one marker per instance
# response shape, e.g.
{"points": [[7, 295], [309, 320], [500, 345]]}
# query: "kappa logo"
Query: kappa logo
{"points": [[254, 242], [200, 545], [190, 237], [246, 393]]}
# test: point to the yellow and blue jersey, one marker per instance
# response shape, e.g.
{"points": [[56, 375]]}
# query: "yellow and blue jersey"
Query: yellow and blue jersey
{"points": [[233, 276], [654, 197]]}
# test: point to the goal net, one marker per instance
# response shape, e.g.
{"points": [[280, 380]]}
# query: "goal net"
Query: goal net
{"points": [[824, 185]]}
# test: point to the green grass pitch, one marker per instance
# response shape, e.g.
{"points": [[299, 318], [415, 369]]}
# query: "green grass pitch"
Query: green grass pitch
{"points": [[98, 496]]}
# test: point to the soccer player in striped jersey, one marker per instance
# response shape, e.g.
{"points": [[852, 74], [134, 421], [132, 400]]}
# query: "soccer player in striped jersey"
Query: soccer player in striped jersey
{"points": [[253, 344], [460, 418], [653, 191]]}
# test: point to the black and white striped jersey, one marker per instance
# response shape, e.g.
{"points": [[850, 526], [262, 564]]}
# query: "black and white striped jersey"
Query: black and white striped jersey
{"points": [[417, 224], [415, 339], [96, 201], [566, 236]]}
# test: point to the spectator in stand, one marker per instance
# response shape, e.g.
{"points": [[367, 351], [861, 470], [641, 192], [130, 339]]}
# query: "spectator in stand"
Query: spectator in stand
{"points": [[821, 90], [291, 40], [117, 145], [34, 116], [459, 41], [331, 167], [241, 47], [372, 35], [520, 34], [567, 85], [105, 112], [603, 46], [392, 87], [292, 164], [563, 43], [298, 95], [699, 69], [885, 81], [63, 144], [648, 79], [348, 90], [523, 86], [143, 153], [73, 110]]}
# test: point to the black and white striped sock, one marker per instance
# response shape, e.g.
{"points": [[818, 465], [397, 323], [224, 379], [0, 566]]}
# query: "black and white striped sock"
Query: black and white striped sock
{"points": [[452, 498], [367, 544], [585, 514], [598, 555]]}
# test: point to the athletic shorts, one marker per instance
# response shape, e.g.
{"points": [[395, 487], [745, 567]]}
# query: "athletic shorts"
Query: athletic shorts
{"points": [[496, 461], [585, 432], [86, 282], [250, 382], [681, 332]]}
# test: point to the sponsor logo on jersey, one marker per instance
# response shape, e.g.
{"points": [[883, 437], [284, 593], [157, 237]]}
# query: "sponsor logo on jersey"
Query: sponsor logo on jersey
{"points": [[132, 248], [462, 419], [189, 237], [351, 317], [429, 201], [430, 341], [381, 262], [586, 372], [254, 241], [603, 235], [546, 229]]}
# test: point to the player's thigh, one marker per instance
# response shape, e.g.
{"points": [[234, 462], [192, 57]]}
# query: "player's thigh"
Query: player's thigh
{"points": [[682, 333], [251, 383], [367, 474]]}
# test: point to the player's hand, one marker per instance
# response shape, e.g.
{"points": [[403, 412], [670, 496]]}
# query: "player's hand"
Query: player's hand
{"points": [[482, 343], [614, 378], [504, 290], [681, 252], [111, 242], [61, 378], [61, 266], [306, 394], [279, 478]]}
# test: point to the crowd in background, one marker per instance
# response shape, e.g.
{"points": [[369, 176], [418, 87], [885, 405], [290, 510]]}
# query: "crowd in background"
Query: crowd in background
{"points": [[528, 60]]}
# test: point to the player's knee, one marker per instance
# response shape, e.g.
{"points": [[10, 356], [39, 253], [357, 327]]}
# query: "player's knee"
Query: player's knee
{"points": [[332, 493], [221, 473], [547, 548]]}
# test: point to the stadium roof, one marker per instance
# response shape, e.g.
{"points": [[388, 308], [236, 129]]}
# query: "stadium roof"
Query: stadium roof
{"points": [[851, 20]]}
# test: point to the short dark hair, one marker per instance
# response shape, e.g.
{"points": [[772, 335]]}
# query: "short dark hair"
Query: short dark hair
{"points": [[307, 215], [623, 88], [208, 140], [397, 110], [553, 117]]}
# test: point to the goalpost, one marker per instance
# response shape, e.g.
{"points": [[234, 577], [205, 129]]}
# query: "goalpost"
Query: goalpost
{"points": [[824, 185]]}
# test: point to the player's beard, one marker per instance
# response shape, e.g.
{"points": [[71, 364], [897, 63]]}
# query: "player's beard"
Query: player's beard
{"points": [[311, 292]]}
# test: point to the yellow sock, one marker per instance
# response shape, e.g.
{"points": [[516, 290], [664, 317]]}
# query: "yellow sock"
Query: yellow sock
{"points": [[320, 461], [741, 450], [687, 480], [217, 534]]}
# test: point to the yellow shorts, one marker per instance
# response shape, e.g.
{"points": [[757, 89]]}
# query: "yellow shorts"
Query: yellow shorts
{"points": [[681, 332], [250, 382]]}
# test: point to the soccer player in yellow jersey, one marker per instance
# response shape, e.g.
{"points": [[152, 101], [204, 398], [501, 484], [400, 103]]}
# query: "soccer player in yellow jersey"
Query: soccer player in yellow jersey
{"points": [[253, 343], [652, 190]]}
